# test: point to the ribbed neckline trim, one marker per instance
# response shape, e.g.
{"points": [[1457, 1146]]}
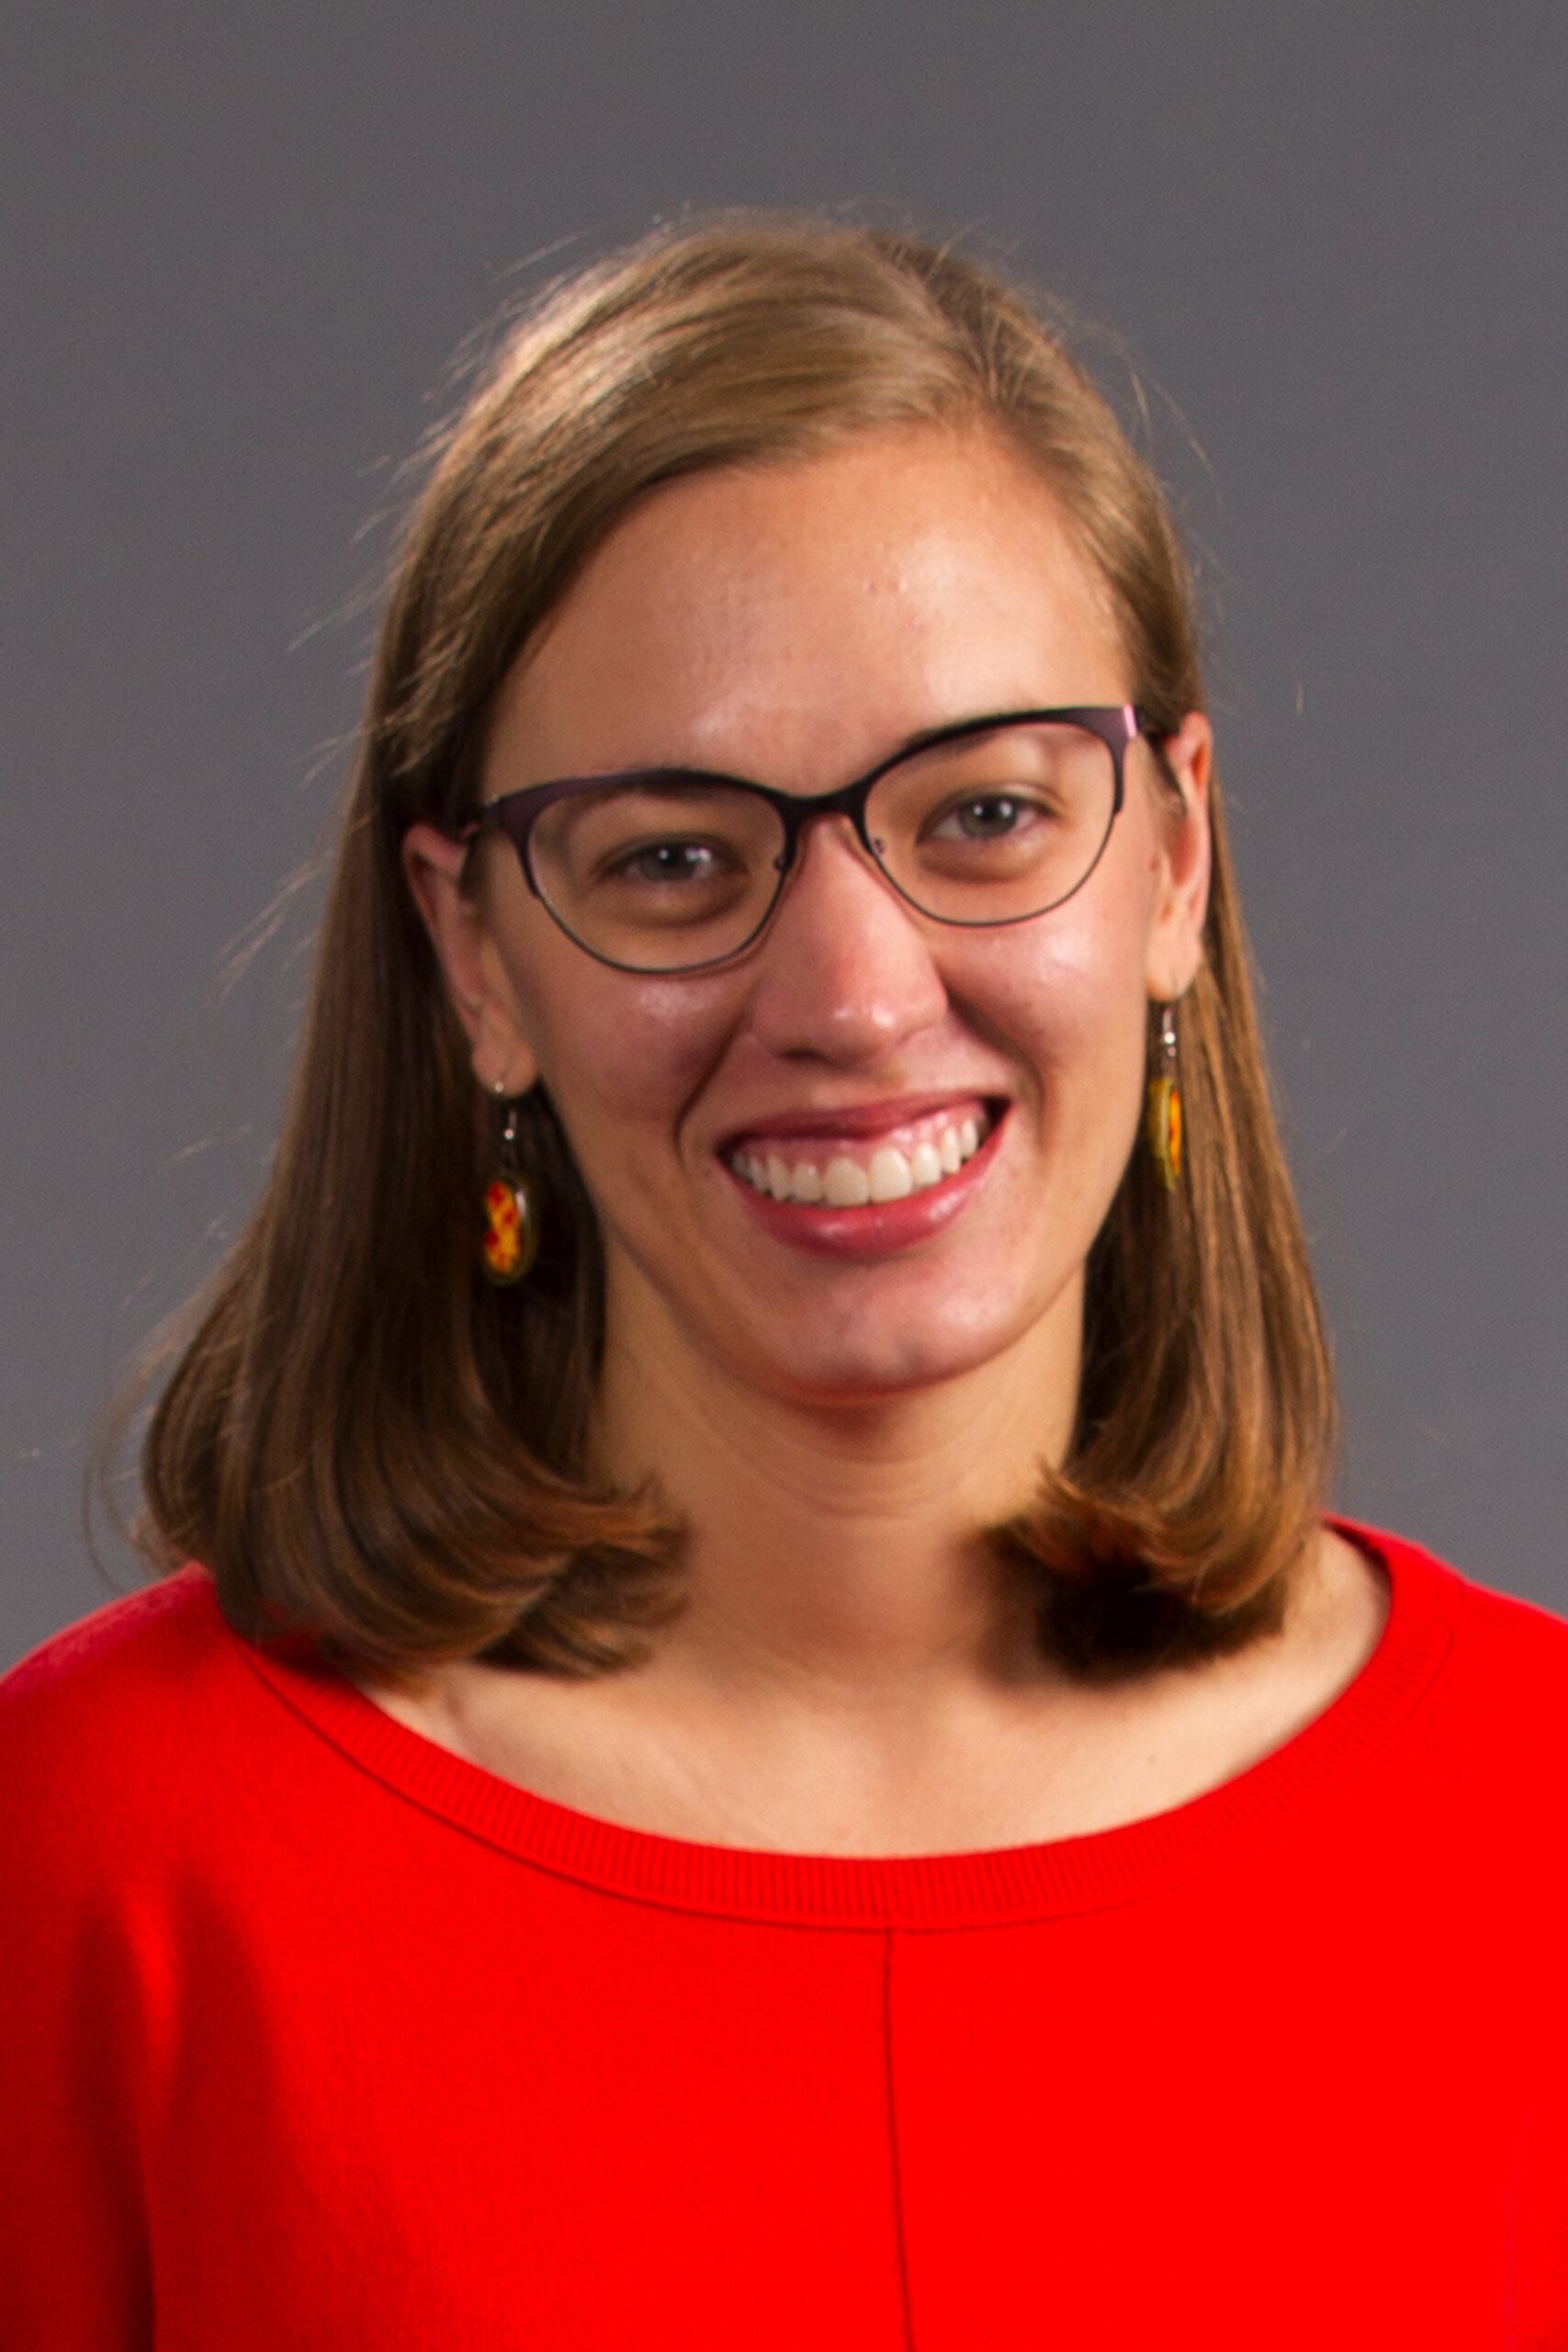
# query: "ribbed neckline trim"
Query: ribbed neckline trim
{"points": [[1008, 1884]]}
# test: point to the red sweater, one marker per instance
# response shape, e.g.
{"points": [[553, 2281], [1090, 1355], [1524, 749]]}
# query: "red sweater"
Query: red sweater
{"points": [[315, 2038]]}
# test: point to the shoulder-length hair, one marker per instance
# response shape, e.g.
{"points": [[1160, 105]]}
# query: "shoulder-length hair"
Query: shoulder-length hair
{"points": [[369, 1444]]}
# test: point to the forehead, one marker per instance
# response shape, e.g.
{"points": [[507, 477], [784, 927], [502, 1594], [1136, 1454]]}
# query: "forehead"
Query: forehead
{"points": [[797, 620]]}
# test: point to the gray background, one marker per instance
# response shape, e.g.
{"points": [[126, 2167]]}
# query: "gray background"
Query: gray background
{"points": [[246, 244]]}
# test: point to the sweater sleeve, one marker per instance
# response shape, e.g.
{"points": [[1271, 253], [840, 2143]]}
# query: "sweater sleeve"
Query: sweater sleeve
{"points": [[74, 2040]]}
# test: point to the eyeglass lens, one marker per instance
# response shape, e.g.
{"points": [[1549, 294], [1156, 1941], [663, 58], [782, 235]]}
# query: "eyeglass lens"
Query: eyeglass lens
{"points": [[668, 872]]}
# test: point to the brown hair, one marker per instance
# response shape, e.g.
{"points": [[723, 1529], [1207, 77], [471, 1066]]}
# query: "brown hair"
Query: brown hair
{"points": [[367, 1444]]}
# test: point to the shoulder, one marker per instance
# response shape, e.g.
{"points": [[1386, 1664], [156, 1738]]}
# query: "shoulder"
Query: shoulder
{"points": [[103, 1723], [1490, 1622], [1482, 1611], [1500, 1681], [118, 1658]]}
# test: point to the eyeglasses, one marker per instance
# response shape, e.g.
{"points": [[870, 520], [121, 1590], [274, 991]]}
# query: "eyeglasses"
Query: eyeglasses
{"points": [[991, 820]]}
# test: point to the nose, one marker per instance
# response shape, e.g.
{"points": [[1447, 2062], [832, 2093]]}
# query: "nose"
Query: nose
{"points": [[845, 970]]}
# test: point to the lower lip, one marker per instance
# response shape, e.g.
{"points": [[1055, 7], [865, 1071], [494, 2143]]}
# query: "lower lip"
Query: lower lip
{"points": [[882, 1228]]}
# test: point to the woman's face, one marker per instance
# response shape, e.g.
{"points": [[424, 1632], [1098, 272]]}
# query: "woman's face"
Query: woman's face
{"points": [[796, 623]]}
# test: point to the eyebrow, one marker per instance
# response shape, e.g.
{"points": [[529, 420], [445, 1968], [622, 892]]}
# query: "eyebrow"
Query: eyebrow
{"points": [[922, 738]]}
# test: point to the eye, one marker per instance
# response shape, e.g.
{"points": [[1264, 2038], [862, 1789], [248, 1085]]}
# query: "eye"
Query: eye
{"points": [[987, 817], [666, 862]]}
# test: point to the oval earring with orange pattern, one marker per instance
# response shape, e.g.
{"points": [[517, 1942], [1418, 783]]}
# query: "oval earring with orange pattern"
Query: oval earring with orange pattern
{"points": [[1162, 1117], [510, 1239]]}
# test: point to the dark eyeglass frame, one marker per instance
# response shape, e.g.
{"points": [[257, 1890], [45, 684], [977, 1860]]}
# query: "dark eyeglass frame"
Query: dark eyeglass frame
{"points": [[516, 813]]}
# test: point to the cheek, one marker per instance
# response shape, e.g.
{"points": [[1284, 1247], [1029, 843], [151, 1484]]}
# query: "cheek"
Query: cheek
{"points": [[1067, 992], [619, 1052], [1070, 1008], [614, 1049]]}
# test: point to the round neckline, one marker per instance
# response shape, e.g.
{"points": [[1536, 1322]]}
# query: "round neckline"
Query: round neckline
{"points": [[994, 1886]]}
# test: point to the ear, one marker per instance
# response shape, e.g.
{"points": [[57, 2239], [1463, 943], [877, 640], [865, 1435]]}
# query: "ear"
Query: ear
{"points": [[1176, 932], [476, 977]]}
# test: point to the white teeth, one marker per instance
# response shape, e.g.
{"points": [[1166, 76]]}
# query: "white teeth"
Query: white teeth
{"points": [[845, 1186], [889, 1175], [925, 1166]]}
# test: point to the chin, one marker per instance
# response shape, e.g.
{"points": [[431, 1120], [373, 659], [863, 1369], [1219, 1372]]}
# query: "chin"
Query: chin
{"points": [[878, 1360]]}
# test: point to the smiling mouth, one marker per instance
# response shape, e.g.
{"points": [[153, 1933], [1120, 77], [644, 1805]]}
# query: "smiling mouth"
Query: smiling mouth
{"points": [[853, 1172]]}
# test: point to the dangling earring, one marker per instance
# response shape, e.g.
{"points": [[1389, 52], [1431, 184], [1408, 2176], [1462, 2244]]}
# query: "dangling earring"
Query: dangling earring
{"points": [[1162, 1117], [510, 1239]]}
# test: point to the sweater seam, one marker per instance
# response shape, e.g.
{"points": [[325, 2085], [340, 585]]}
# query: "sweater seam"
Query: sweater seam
{"points": [[899, 2237]]}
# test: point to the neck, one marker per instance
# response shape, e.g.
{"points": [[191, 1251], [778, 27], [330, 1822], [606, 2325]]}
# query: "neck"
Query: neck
{"points": [[834, 1561]]}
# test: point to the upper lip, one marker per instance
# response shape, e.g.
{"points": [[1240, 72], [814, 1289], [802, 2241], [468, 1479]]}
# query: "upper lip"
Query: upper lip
{"points": [[857, 1118]]}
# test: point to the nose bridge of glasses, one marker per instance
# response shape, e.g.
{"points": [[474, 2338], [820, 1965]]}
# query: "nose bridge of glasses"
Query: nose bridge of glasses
{"points": [[845, 811], [837, 913]]}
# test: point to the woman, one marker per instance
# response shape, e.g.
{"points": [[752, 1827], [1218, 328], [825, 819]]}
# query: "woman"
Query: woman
{"points": [[753, 1731]]}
